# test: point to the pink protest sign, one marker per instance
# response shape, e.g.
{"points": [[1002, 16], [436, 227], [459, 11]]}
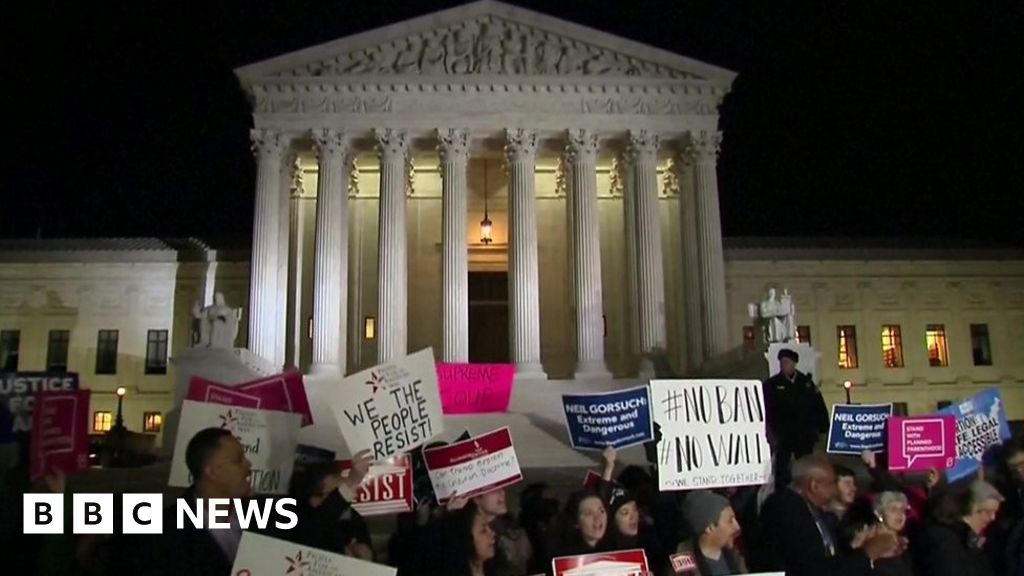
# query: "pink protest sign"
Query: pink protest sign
{"points": [[475, 388], [922, 442], [280, 393], [60, 433]]}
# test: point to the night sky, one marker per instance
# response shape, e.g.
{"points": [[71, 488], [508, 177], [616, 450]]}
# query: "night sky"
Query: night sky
{"points": [[848, 118]]}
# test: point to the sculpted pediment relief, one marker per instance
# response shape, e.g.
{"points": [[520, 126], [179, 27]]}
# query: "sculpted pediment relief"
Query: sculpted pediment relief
{"points": [[485, 45]]}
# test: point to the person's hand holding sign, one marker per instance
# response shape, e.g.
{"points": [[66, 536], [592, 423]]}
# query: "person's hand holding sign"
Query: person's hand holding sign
{"points": [[610, 455], [456, 502], [360, 468]]}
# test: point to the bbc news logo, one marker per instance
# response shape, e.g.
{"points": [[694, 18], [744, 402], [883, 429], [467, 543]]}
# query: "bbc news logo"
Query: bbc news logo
{"points": [[144, 513]]}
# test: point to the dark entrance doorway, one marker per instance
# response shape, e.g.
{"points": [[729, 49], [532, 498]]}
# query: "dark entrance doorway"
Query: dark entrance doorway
{"points": [[488, 317]]}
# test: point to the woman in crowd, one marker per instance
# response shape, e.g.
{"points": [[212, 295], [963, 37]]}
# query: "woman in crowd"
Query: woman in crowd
{"points": [[626, 529], [583, 525], [891, 508], [953, 537], [469, 545]]}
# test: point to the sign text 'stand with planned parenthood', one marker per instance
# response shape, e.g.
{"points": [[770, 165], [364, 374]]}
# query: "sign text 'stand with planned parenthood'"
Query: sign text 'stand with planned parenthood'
{"points": [[390, 408], [18, 390], [619, 419], [712, 433], [922, 442], [858, 427]]}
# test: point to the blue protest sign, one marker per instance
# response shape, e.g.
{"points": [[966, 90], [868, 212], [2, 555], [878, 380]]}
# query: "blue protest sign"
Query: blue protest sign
{"points": [[980, 424], [18, 390], [619, 419], [858, 427]]}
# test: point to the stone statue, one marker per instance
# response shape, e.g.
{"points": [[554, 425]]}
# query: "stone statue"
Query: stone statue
{"points": [[776, 317], [217, 324]]}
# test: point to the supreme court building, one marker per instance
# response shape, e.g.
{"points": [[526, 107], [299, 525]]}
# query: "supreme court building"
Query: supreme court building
{"points": [[504, 186]]}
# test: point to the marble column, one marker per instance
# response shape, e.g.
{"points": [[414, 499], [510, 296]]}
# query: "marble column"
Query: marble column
{"points": [[623, 171], [453, 148], [285, 294], [392, 257], [650, 268], [330, 260], [581, 150], [523, 277], [693, 320], [265, 306], [703, 149]]}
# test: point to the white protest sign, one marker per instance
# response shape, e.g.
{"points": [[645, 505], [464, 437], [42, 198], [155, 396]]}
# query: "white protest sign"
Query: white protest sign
{"points": [[268, 438], [390, 408], [260, 555], [712, 433], [472, 467]]}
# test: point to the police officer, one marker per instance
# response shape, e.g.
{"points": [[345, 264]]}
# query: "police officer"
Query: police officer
{"points": [[796, 414]]}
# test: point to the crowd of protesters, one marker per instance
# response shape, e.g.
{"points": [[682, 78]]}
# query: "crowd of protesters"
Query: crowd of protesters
{"points": [[822, 521]]}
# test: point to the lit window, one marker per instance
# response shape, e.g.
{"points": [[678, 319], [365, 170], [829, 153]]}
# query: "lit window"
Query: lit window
{"points": [[846, 337], [152, 422], [102, 421], [10, 342], [57, 351], [369, 328], [892, 346], [156, 352], [803, 335], [980, 345], [935, 336], [749, 338], [106, 352]]}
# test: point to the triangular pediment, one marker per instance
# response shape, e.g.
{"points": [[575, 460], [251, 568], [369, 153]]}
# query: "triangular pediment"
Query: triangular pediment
{"points": [[484, 38]]}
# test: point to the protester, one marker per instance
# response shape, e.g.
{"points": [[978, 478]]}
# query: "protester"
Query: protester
{"points": [[846, 491], [955, 534], [217, 463], [891, 509], [712, 551], [1004, 551], [538, 512], [469, 545], [512, 540], [583, 524], [326, 518], [626, 530], [796, 414], [799, 539]]}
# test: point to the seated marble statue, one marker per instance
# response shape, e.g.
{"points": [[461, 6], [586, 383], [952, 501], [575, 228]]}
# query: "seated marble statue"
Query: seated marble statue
{"points": [[217, 323]]}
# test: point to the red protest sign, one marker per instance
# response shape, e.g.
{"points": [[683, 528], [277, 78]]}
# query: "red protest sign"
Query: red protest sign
{"points": [[280, 393], [592, 481], [472, 467], [60, 433], [622, 563], [387, 488]]}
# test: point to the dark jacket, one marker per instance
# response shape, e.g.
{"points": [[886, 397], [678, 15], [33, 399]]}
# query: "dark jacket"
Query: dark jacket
{"points": [[690, 548], [953, 551], [796, 545], [796, 412]]}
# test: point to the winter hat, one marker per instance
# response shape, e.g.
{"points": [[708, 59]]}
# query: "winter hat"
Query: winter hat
{"points": [[702, 509], [619, 498]]}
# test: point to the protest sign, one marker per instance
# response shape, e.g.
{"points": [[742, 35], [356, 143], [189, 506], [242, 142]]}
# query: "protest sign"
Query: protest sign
{"points": [[712, 433], [268, 439], [60, 433], [858, 427], [483, 464], [922, 442], [391, 408], [592, 481], [387, 488], [260, 555], [282, 392], [621, 563], [18, 390], [619, 419], [475, 388], [980, 424]]}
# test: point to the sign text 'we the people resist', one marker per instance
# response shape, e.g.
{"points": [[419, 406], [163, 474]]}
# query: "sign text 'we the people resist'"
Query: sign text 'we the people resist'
{"points": [[713, 433], [391, 408]]}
